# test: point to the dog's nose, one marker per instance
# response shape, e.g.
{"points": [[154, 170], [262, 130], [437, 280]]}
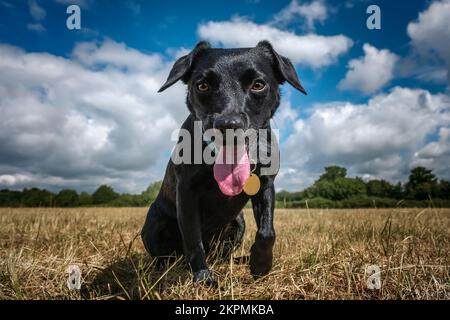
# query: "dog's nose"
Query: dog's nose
{"points": [[229, 122]]}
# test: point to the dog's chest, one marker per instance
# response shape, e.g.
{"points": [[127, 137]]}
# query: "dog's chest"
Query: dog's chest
{"points": [[217, 209]]}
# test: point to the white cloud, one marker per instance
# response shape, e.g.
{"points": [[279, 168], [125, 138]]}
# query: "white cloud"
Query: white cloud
{"points": [[38, 14], [433, 75], [35, 27], [377, 139], [311, 50], [436, 154], [116, 55], [36, 11], [177, 53], [284, 115], [28, 179], [312, 12], [430, 35], [371, 72], [437, 148], [92, 119], [14, 179]]}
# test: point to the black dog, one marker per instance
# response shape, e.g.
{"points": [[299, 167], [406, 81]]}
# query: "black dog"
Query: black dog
{"points": [[227, 89]]}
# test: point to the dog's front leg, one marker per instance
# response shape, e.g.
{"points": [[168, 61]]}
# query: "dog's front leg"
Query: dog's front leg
{"points": [[189, 223], [263, 207]]}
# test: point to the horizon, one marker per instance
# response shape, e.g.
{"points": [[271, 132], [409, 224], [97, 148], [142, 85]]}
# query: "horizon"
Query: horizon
{"points": [[152, 183]]}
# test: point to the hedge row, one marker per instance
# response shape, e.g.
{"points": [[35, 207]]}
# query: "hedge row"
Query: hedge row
{"points": [[363, 202]]}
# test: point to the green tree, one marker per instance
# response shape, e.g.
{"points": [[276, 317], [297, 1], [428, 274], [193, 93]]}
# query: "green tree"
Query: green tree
{"points": [[379, 188], [332, 173], [35, 197], [128, 200], [444, 189], [421, 183], [397, 191], [334, 185], [85, 199], [67, 198], [10, 198], [349, 187], [150, 194], [104, 194]]}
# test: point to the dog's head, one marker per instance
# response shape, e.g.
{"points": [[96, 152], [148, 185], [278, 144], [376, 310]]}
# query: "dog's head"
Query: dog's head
{"points": [[233, 88]]}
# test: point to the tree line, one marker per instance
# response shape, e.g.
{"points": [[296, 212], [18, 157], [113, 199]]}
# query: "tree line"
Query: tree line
{"points": [[333, 189], [103, 196]]}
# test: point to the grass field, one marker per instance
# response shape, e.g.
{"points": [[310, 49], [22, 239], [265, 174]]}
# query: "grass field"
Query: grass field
{"points": [[319, 254]]}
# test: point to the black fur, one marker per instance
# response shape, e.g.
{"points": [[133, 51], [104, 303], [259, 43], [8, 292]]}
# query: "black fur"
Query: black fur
{"points": [[190, 214]]}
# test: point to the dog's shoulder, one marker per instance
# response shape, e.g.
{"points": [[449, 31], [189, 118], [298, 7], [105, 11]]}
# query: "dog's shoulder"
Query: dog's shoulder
{"points": [[188, 124]]}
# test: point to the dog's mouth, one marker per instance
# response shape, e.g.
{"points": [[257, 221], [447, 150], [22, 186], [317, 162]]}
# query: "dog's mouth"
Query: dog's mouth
{"points": [[232, 168]]}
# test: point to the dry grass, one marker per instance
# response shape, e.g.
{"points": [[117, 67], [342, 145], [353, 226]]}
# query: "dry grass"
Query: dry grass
{"points": [[319, 254]]}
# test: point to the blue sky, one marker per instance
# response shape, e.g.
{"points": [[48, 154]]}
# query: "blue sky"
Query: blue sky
{"points": [[377, 101], [155, 26]]}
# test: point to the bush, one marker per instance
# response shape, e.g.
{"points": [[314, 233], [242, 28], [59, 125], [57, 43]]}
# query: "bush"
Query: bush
{"points": [[128, 200], [320, 203], [10, 198], [316, 202], [441, 203], [104, 194], [35, 197], [67, 198], [368, 202], [85, 199]]}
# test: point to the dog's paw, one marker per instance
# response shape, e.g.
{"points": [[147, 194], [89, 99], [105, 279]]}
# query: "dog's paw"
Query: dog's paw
{"points": [[205, 277], [260, 262]]}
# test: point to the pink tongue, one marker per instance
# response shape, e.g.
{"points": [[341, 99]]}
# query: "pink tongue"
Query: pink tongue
{"points": [[231, 173]]}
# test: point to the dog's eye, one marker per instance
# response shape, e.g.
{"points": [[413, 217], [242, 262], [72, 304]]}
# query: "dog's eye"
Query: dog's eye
{"points": [[202, 86], [258, 85]]}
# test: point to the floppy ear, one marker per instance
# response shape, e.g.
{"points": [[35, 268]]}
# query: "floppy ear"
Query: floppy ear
{"points": [[283, 66], [183, 65]]}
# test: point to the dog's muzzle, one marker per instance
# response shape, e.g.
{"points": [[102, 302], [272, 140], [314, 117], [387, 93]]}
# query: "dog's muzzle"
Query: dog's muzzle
{"points": [[225, 122]]}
